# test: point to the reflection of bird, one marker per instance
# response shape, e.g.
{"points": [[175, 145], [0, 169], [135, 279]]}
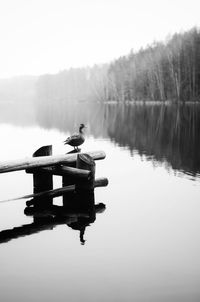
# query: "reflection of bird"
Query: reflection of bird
{"points": [[76, 139]]}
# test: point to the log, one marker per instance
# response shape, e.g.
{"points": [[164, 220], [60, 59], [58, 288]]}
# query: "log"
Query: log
{"points": [[62, 171], [44, 161], [99, 182], [85, 161]]}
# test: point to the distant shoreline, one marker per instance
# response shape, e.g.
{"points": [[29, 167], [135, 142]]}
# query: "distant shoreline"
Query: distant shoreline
{"points": [[151, 102]]}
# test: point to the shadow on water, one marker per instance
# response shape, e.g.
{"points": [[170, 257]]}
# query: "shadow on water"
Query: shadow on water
{"points": [[77, 212]]}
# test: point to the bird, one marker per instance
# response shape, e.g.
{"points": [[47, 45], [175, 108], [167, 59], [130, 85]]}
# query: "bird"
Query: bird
{"points": [[76, 140]]}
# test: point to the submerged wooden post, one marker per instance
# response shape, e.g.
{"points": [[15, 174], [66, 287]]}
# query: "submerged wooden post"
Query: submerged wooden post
{"points": [[85, 162], [42, 181]]}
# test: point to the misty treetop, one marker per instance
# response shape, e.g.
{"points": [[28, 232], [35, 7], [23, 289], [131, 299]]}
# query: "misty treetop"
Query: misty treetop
{"points": [[74, 84]]}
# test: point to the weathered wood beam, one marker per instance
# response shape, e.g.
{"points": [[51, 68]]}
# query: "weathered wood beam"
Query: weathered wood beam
{"points": [[99, 182], [61, 171], [44, 161]]}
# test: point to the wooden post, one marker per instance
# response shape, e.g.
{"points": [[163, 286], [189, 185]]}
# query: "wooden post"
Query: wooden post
{"points": [[68, 197], [85, 194], [42, 181], [85, 162]]}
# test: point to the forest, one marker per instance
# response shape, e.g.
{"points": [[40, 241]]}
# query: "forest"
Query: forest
{"points": [[163, 71]]}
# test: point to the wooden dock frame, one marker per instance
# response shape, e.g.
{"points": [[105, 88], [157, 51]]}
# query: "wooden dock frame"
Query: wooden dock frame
{"points": [[78, 174], [76, 169]]}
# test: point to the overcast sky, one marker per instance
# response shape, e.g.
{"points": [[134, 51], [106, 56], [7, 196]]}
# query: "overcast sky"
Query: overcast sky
{"points": [[42, 36]]}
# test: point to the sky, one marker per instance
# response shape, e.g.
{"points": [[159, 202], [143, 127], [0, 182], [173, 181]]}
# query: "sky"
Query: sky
{"points": [[47, 36]]}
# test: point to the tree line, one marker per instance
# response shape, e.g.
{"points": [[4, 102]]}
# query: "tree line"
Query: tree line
{"points": [[163, 71], [74, 84]]}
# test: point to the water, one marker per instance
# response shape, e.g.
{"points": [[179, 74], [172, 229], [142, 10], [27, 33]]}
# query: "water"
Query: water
{"points": [[145, 245]]}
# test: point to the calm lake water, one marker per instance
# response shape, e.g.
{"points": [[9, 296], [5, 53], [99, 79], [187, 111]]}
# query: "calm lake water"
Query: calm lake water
{"points": [[145, 245]]}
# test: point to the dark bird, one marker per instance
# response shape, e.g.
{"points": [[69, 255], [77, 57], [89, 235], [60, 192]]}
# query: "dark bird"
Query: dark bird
{"points": [[76, 139]]}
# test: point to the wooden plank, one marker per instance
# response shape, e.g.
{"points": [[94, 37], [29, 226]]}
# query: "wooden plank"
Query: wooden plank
{"points": [[61, 171], [44, 161]]}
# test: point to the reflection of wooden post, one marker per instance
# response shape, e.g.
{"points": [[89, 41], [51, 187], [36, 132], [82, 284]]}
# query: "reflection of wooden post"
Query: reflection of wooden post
{"points": [[85, 193], [42, 181], [83, 203], [85, 162]]}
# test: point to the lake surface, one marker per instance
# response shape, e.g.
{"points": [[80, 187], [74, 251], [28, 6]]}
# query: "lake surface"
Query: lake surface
{"points": [[143, 245]]}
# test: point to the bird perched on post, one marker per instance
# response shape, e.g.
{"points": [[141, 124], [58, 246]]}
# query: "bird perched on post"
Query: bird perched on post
{"points": [[76, 139]]}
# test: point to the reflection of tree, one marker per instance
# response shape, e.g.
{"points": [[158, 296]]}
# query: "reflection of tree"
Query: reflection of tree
{"points": [[169, 133], [166, 133], [67, 117]]}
